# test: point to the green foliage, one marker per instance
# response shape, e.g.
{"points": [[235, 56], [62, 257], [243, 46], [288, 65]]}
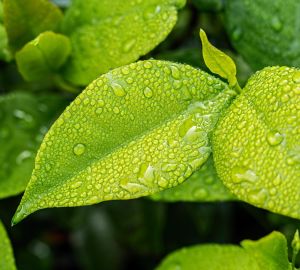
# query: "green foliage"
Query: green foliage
{"points": [[217, 61], [24, 22], [25, 119], [256, 143], [162, 115], [203, 185], [7, 261], [268, 253], [43, 56], [107, 34], [265, 34]]}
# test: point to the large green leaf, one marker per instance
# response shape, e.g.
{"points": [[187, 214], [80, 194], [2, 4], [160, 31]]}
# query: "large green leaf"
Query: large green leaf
{"points": [[7, 261], [132, 132], [24, 121], [43, 56], [268, 253], [107, 34], [5, 53], [257, 142], [265, 34], [203, 185], [25, 20]]}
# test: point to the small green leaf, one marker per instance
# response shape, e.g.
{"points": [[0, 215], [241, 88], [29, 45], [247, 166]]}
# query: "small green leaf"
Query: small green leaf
{"points": [[217, 61], [24, 119], [264, 34], [132, 132], [268, 253], [7, 261], [24, 22], [257, 142], [107, 34], [203, 185], [43, 56]]}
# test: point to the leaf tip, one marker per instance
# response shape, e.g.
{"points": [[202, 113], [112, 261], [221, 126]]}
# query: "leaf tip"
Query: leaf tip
{"points": [[22, 212]]}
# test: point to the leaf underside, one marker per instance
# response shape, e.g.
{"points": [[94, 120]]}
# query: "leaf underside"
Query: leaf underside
{"points": [[132, 132], [203, 185]]}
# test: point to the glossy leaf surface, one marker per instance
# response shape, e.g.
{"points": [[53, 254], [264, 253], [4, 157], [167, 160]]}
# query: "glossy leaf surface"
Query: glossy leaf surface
{"points": [[7, 261], [268, 253], [107, 34], [257, 142], [265, 34], [24, 20], [132, 132], [24, 121], [203, 185], [43, 56]]}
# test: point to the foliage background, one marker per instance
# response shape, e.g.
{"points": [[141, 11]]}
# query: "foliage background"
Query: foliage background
{"points": [[137, 234]]}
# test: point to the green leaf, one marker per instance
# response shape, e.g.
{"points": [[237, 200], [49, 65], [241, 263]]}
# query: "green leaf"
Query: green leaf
{"points": [[265, 34], [203, 185], [268, 253], [24, 121], [217, 61], [7, 261], [43, 56], [256, 143], [132, 132], [24, 22], [107, 34]]}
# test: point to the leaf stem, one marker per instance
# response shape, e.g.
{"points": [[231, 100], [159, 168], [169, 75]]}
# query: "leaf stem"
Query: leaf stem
{"points": [[237, 88]]}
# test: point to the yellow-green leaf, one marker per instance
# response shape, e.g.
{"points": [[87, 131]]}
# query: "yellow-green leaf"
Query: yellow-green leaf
{"points": [[7, 261], [257, 142], [203, 185], [43, 56], [217, 61], [24, 20], [107, 34], [132, 132]]}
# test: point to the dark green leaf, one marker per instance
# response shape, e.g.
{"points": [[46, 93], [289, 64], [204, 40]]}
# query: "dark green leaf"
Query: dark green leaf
{"points": [[24, 121]]}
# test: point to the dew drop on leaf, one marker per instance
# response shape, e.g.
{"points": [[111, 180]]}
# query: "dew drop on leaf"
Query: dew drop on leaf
{"points": [[79, 149], [274, 138]]}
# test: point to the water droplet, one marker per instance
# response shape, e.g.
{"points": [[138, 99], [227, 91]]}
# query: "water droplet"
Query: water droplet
{"points": [[79, 149], [148, 92], [162, 182], [116, 110], [274, 138], [175, 72], [240, 174], [168, 167], [23, 156], [296, 77], [99, 111], [129, 45], [276, 24], [118, 90], [76, 185], [147, 64], [258, 197]]}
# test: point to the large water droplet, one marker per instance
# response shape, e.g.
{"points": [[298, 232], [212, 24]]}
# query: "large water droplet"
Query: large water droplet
{"points": [[175, 72], [240, 174], [148, 92], [258, 197], [118, 89], [79, 149], [296, 77], [274, 138]]}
